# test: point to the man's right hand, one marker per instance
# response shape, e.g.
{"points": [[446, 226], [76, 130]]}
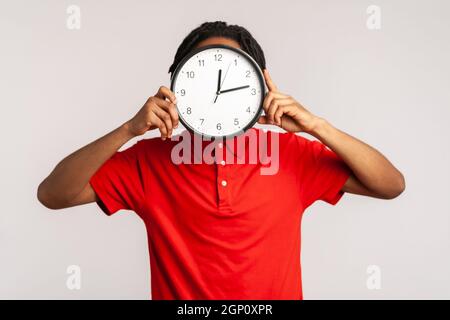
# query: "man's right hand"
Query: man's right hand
{"points": [[68, 184], [158, 112]]}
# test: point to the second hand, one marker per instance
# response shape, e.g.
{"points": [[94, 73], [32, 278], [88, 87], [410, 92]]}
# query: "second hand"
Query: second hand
{"points": [[223, 80]]}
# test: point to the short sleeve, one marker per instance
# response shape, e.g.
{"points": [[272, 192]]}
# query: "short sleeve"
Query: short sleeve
{"points": [[117, 183], [322, 173]]}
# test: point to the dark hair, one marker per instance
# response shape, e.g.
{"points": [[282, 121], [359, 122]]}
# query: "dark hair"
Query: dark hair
{"points": [[220, 29]]}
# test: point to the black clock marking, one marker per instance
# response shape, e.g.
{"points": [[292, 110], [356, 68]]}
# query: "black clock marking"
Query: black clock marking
{"points": [[234, 89]]}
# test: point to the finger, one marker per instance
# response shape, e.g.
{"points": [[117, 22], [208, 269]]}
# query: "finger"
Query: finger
{"points": [[285, 101], [164, 116], [282, 103], [282, 109], [270, 84], [271, 111], [170, 108], [164, 92], [267, 101], [289, 110], [272, 95], [156, 121], [279, 114], [275, 104], [263, 120]]}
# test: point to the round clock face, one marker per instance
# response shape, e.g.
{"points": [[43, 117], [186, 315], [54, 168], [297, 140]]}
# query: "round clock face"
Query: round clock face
{"points": [[220, 91]]}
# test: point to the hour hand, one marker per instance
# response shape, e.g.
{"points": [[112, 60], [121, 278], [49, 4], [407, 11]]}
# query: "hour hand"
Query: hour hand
{"points": [[219, 80], [233, 89], [218, 85]]}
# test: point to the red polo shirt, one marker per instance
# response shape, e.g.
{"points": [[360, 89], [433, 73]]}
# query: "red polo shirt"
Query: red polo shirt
{"points": [[222, 230]]}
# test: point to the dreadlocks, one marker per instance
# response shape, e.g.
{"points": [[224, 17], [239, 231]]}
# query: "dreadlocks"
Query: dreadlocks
{"points": [[220, 29]]}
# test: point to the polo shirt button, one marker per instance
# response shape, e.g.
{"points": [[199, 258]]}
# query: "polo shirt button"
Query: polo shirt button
{"points": [[222, 162], [224, 183]]}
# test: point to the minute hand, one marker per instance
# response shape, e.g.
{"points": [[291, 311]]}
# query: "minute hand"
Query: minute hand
{"points": [[233, 89]]}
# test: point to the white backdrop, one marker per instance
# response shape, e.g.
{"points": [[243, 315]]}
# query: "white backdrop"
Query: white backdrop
{"points": [[62, 88]]}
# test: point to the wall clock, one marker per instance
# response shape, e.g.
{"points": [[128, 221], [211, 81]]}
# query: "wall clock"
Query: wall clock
{"points": [[220, 91]]}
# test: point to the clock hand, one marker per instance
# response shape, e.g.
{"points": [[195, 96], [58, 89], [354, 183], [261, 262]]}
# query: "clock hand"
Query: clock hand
{"points": [[218, 81], [234, 89], [223, 80], [218, 85], [226, 72], [224, 77]]}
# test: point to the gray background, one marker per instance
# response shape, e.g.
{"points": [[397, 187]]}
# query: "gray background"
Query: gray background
{"points": [[61, 89]]}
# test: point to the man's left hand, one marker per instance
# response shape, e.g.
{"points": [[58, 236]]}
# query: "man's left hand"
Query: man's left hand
{"points": [[284, 111]]}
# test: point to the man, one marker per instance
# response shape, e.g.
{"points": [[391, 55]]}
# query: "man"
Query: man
{"points": [[221, 231]]}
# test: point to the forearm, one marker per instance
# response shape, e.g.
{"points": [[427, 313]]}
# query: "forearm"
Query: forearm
{"points": [[369, 166], [73, 173]]}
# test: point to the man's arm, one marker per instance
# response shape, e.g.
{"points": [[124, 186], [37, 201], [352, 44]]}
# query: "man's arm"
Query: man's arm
{"points": [[373, 174], [68, 183]]}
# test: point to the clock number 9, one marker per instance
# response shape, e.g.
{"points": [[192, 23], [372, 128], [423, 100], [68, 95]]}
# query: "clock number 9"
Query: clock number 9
{"points": [[183, 92]]}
